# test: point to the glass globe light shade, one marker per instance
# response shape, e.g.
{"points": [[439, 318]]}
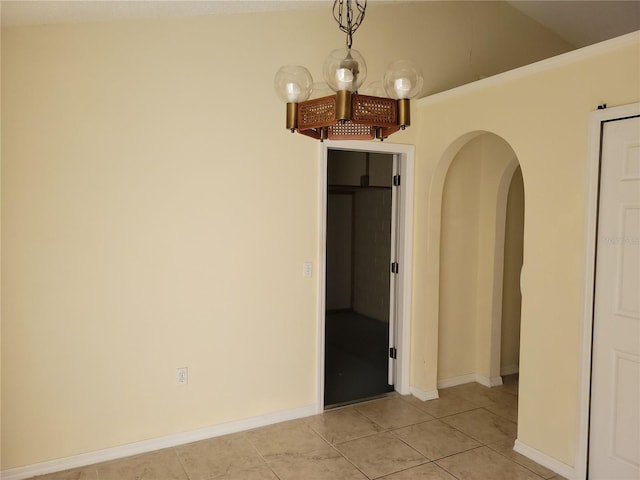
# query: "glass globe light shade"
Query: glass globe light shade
{"points": [[293, 83], [402, 80], [345, 69]]}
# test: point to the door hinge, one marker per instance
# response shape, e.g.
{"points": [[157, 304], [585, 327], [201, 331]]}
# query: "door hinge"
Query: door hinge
{"points": [[395, 268], [393, 352], [396, 180]]}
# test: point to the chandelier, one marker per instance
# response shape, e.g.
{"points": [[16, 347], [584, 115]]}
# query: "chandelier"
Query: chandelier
{"points": [[347, 115]]}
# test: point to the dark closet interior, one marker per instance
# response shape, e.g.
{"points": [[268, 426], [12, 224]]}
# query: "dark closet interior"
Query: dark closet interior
{"points": [[359, 216]]}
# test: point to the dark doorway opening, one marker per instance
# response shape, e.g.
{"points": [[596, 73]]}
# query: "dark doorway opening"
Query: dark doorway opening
{"points": [[358, 276]]}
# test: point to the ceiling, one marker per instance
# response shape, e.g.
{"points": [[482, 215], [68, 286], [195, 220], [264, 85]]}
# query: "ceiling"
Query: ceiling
{"points": [[33, 12], [579, 22], [584, 23]]}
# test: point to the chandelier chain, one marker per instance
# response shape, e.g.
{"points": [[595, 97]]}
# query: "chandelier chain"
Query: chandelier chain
{"points": [[352, 23]]}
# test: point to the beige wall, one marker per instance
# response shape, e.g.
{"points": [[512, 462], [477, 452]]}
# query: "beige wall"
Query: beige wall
{"points": [[156, 214], [459, 265], [544, 116]]}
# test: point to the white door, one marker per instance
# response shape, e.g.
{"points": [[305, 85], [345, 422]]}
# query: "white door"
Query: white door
{"points": [[614, 439]]}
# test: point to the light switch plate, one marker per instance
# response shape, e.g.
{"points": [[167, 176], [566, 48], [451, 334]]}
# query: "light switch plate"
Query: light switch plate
{"points": [[307, 269]]}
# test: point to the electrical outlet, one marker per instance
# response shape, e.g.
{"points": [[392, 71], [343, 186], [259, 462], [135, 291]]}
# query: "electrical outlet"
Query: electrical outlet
{"points": [[182, 376]]}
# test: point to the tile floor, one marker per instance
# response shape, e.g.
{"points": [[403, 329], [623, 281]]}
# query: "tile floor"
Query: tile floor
{"points": [[467, 434]]}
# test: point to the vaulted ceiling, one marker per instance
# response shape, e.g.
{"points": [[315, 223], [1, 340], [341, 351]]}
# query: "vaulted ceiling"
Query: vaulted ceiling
{"points": [[584, 23]]}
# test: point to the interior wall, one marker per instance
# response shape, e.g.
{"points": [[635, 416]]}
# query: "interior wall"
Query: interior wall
{"points": [[459, 264], [471, 217], [156, 213], [339, 252], [498, 163], [542, 111], [511, 295], [372, 252]]}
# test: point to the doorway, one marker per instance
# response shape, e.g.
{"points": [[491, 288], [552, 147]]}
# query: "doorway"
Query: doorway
{"points": [[400, 282], [360, 250], [481, 246]]}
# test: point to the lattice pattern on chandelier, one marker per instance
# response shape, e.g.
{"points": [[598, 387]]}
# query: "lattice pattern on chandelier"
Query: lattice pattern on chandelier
{"points": [[321, 112], [351, 130], [382, 112], [317, 113]]}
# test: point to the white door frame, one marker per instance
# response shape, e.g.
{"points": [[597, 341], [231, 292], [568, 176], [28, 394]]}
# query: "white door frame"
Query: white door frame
{"points": [[393, 281], [597, 118], [405, 154]]}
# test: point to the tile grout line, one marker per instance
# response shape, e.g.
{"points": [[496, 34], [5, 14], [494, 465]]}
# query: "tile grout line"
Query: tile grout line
{"points": [[391, 430], [410, 446], [416, 466], [262, 458], [184, 468], [342, 455], [383, 430], [482, 443], [515, 461], [334, 446], [450, 473]]}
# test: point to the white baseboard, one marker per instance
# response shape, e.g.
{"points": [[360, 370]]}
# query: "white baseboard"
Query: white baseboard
{"points": [[545, 460], [489, 381], [423, 394], [151, 445], [472, 377], [509, 370], [453, 381]]}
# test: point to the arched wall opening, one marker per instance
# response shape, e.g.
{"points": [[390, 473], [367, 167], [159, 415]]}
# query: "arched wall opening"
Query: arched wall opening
{"points": [[475, 234]]}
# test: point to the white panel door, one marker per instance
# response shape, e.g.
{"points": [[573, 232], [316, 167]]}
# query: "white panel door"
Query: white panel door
{"points": [[614, 441]]}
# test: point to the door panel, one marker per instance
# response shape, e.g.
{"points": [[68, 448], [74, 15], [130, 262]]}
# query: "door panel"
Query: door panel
{"points": [[614, 451]]}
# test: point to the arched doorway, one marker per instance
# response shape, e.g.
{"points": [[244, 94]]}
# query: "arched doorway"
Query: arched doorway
{"points": [[478, 290]]}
